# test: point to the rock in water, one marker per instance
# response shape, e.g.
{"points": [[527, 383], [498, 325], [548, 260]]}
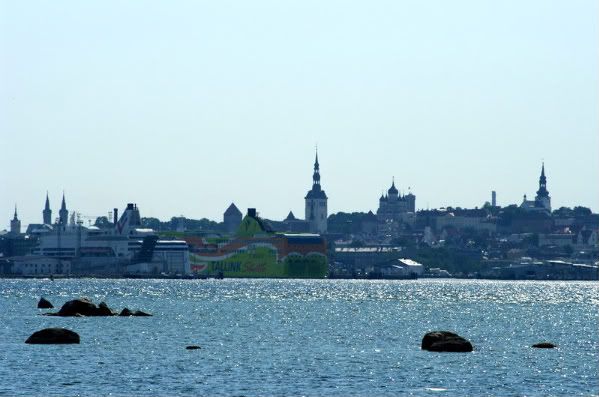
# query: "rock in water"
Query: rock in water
{"points": [[126, 312], [444, 341], [544, 345], [44, 304], [193, 347], [137, 313], [78, 306], [104, 310], [49, 336]]}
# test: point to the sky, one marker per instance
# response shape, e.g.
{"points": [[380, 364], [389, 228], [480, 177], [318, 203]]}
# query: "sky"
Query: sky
{"points": [[186, 106]]}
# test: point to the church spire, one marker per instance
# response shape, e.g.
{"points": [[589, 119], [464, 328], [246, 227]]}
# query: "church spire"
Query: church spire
{"points": [[316, 175], [47, 212], [63, 214], [542, 192], [15, 217]]}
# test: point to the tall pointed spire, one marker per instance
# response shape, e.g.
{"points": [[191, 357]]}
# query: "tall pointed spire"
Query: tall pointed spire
{"points": [[47, 212], [316, 175], [15, 224], [63, 214]]}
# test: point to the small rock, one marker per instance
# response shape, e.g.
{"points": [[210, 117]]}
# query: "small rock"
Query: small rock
{"points": [[53, 336], [136, 313], [444, 341], [544, 345], [126, 312], [44, 304], [193, 347]]}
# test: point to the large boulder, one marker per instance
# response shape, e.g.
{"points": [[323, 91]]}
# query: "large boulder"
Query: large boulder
{"points": [[544, 345], [80, 306], [44, 304], [138, 313], [83, 307], [53, 336], [445, 341]]}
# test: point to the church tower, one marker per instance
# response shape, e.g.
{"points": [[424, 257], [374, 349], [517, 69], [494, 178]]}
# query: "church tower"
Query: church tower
{"points": [[47, 212], [63, 214], [542, 199], [316, 203], [15, 224]]}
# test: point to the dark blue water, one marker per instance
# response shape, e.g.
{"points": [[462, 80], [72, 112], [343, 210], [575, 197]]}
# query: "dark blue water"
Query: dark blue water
{"points": [[312, 338]]}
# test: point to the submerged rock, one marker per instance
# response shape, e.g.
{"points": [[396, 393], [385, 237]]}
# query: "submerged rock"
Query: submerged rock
{"points": [[126, 312], [445, 341], [44, 304], [53, 336], [544, 345]]}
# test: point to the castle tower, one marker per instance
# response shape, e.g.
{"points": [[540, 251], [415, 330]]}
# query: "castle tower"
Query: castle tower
{"points": [[47, 212], [316, 203], [15, 224], [543, 199], [63, 214]]}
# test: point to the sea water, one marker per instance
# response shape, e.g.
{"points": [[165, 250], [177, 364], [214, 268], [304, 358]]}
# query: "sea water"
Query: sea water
{"points": [[303, 337]]}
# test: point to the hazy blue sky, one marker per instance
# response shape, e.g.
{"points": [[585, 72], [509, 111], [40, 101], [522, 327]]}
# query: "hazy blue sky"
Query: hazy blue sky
{"points": [[184, 107]]}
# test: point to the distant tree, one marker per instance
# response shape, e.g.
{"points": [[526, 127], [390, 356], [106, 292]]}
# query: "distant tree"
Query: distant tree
{"points": [[582, 211], [103, 222], [151, 223], [563, 212]]}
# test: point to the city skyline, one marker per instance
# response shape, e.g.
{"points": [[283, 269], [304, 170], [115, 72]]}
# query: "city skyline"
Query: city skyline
{"points": [[184, 108], [87, 218]]}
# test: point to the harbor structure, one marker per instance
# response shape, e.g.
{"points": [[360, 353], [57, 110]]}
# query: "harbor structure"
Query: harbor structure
{"points": [[121, 249]]}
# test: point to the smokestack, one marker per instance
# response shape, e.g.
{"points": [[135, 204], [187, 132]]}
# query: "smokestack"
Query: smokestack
{"points": [[115, 216], [494, 198]]}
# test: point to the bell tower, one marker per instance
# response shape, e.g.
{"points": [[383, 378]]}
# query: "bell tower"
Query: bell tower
{"points": [[316, 203]]}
